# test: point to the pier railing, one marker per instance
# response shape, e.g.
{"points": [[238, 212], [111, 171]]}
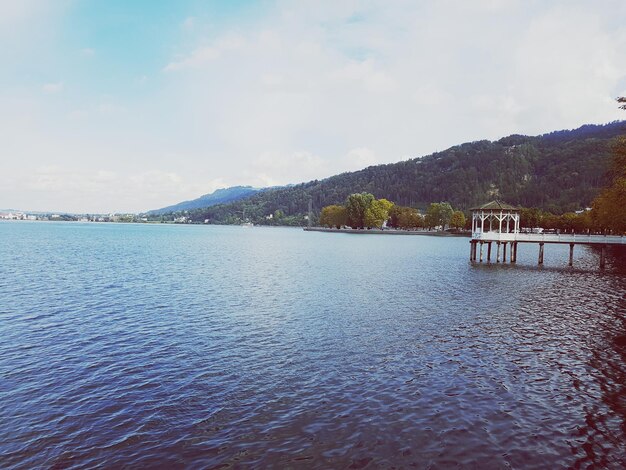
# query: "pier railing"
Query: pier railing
{"points": [[549, 238]]}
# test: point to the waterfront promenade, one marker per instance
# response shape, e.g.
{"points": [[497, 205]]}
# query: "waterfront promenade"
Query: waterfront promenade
{"points": [[389, 231]]}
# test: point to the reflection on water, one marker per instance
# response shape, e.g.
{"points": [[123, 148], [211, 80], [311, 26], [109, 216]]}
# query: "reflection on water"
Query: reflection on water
{"points": [[220, 347]]}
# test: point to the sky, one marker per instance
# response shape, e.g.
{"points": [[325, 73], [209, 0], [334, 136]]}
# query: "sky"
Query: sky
{"points": [[118, 106]]}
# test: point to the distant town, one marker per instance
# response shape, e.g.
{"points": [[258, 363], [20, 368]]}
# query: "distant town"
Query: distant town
{"points": [[19, 215]]}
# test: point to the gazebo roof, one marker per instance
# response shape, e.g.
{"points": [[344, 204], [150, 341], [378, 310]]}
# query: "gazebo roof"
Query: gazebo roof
{"points": [[495, 206]]}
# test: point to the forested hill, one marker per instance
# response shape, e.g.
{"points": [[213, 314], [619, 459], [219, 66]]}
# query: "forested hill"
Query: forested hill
{"points": [[220, 196], [558, 172]]}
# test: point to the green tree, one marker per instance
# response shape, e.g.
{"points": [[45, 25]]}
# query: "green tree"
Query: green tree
{"points": [[432, 216], [356, 206], [609, 211], [439, 215], [445, 213], [409, 218], [568, 221], [404, 217], [457, 220], [582, 222], [530, 217], [609, 208], [377, 213], [550, 221], [394, 215], [333, 216]]}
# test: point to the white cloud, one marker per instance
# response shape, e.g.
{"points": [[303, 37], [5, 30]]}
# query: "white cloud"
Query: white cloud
{"points": [[205, 54], [272, 80], [304, 90], [189, 23], [53, 178], [28, 23], [365, 74], [574, 73], [52, 87], [108, 107], [15, 12], [52, 187], [315, 87], [88, 52], [359, 158], [275, 168], [196, 58], [78, 114]]}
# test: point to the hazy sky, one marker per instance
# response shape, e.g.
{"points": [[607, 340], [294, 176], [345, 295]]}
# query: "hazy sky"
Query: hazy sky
{"points": [[133, 105]]}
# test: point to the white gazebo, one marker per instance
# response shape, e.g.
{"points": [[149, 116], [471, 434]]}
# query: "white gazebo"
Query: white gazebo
{"points": [[496, 217], [495, 221]]}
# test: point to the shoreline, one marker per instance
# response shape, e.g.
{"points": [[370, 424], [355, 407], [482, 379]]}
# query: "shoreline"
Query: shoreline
{"points": [[386, 232]]}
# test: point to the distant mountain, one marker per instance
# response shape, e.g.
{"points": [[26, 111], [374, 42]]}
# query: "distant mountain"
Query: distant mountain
{"points": [[220, 196], [558, 172]]}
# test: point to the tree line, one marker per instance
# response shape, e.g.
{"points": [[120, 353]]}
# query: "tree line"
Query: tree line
{"points": [[363, 210], [570, 222]]}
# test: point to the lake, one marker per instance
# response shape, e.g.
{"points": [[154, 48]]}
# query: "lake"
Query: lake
{"points": [[216, 347]]}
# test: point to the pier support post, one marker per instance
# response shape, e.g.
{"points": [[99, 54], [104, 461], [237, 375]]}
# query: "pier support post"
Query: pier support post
{"points": [[472, 250], [481, 251], [489, 251], [540, 253], [602, 256], [514, 252], [571, 254], [498, 253], [504, 252]]}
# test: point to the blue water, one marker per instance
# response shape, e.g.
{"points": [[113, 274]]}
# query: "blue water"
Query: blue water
{"points": [[206, 346]]}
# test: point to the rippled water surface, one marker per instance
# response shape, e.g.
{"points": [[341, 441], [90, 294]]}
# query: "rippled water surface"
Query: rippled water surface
{"points": [[200, 347]]}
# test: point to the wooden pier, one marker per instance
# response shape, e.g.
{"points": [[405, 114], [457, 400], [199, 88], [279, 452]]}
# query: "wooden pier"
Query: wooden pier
{"points": [[498, 223], [511, 240]]}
